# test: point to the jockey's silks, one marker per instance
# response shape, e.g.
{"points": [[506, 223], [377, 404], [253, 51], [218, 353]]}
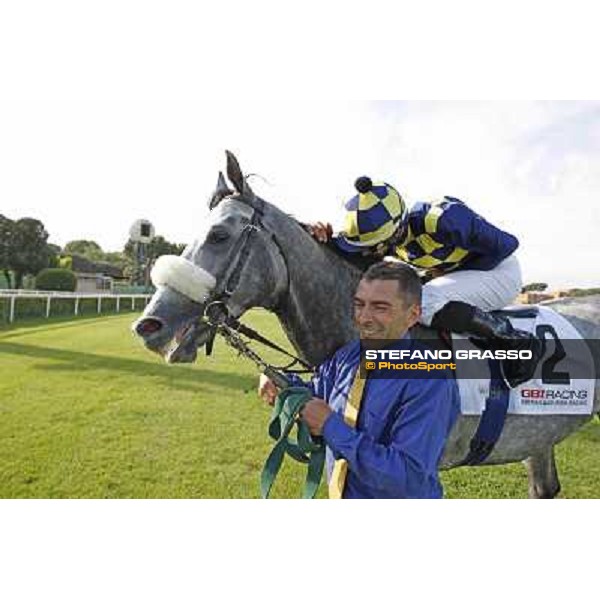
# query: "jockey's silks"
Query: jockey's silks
{"points": [[448, 235]]}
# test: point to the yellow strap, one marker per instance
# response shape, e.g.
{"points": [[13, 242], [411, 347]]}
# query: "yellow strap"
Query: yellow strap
{"points": [[432, 217], [338, 479], [340, 468]]}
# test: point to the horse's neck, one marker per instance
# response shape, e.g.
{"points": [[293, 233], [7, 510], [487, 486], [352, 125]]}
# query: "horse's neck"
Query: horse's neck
{"points": [[316, 313]]}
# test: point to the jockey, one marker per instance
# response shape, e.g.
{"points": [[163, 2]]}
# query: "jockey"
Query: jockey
{"points": [[468, 264]]}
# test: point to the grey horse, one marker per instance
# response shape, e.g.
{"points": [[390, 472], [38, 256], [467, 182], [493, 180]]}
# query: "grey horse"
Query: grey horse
{"points": [[310, 289]]}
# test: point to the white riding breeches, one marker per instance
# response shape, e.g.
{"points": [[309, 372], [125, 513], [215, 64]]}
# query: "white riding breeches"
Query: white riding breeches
{"points": [[488, 290]]}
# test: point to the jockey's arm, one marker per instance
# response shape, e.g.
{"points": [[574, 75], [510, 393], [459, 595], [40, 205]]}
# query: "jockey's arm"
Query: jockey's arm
{"points": [[466, 229]]}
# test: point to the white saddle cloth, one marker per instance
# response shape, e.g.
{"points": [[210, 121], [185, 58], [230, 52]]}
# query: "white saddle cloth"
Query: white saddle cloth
{"points": [[535, 397]]}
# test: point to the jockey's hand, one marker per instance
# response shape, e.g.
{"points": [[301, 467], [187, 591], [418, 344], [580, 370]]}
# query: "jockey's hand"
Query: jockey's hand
{"points": [[314, 414], [322, 232], [267, 390]]}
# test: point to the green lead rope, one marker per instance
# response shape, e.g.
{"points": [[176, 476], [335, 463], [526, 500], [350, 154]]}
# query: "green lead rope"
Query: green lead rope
{"points": [[306, 448]]}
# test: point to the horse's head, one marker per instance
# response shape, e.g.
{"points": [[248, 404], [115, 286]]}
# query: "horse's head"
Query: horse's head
{"points": [[234, 265]]}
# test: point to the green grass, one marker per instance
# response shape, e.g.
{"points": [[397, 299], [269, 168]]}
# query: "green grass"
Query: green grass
{"points": [[87, 412]]}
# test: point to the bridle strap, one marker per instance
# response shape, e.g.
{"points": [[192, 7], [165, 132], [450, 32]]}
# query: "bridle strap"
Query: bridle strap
{"points": [[240, 254], [221, 319], [254, 335]]}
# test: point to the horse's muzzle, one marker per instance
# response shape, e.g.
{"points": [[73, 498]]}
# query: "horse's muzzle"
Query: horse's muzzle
{"points": [[175, 346]]}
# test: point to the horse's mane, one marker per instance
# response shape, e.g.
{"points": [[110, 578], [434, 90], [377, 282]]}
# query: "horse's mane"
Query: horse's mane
{"points": [[301, 224], [328, 248]]}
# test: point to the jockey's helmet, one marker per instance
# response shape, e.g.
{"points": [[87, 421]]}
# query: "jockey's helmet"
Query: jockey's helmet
{"points": [[373, 216]]}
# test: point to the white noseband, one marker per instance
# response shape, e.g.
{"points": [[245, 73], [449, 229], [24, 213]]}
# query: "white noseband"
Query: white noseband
{"points": [[183, 276]]}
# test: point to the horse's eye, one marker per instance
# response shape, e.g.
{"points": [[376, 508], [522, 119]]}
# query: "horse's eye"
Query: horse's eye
{"points": [[217, 236]]}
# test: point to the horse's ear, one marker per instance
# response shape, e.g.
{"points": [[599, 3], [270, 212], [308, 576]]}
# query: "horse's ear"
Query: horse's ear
{"points": [[235, 175], [222, 190]]}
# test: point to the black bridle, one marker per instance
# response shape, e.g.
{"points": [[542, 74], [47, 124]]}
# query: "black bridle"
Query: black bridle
{"points": [[240, 253], [217, 314]]}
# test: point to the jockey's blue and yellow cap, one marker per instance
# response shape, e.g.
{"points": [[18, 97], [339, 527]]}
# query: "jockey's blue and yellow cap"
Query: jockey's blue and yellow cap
{"points": [[372, 216]]}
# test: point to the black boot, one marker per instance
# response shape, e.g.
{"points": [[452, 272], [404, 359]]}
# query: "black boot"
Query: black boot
{"points": [[497, 332]]}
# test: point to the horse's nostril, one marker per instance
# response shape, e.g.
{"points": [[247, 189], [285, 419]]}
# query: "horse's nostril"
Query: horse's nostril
{"points": [[147, 327]]}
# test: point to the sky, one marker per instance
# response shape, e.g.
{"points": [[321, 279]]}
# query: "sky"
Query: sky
{"points": [[106, 123]]}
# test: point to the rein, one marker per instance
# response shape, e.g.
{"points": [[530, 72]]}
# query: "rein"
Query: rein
{"points": [[230, 330], [289, 403]]}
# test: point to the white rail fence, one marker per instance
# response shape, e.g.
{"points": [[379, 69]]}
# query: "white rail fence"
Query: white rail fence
{"points": [[120, 299]]}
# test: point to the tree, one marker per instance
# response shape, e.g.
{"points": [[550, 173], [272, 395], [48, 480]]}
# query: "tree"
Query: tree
{"points": [[534, 287], [93, 252], [29, 250], [118, 259], [157, 247], [54, 252], [86, 248], [6, 236]]}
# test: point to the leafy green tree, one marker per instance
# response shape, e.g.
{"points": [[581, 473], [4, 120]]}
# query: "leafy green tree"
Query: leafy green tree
{"points": [[6, 235], [118, 259], [86, 248], [54, 252], [157, 247], [65, 262], [92, 251], [29, 251]]}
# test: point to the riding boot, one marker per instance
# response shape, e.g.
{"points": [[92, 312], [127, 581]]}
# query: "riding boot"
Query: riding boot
{"points": [[495, 331]]}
